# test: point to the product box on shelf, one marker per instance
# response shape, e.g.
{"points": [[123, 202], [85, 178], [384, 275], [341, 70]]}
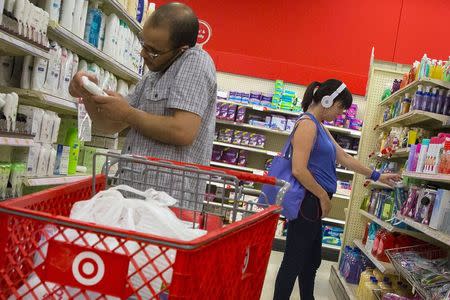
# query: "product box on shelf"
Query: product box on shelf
{"points": [[440, 217]]}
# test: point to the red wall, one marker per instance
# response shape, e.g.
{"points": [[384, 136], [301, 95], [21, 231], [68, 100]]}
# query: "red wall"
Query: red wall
{"points": [[301, 41]]}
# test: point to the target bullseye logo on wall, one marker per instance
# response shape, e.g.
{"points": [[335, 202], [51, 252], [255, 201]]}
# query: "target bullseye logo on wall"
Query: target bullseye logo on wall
{"points": [[86, 268], [204, 33]]}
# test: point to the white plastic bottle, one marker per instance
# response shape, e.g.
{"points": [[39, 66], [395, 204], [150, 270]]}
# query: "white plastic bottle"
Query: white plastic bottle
{"points": [[39, 74], [53, 7], [19, 9], [132, 8], [68, 67], [10, 111], [27, 69], [9, 5], [78, 10], [122, 88], [54, 68], [82, 66], [75, 63], [112, 23], [101, 35], [6, 69], [83, 18], [66, 17], [2, 6], [63, 62]]}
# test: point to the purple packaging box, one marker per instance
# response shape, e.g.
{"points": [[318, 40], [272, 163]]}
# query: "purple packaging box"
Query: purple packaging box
{"points": [[352, 111], [260, 141], [240, 114], [253, 139], [226, 135], [217, 153], [266, 97], [245, 138], [255, 95], [237, 137], [290, 124], [356, 124], [218, 106], [223, 111], [230, 156], [268, 164], [242, 159], [231, 114], [347, 122], [339, 122], [278, 122]]}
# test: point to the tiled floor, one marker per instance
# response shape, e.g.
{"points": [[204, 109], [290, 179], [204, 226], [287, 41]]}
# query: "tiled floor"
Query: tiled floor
{"points": [[322, 286]]}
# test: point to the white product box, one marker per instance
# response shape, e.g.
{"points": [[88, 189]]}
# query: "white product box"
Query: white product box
{"points": [[33, 157], [34, 119], [62, 160], [278, 122], [440, 217]]}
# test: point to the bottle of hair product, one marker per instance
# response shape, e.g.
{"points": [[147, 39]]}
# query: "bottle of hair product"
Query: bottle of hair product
{"points": [[93, 24], [112, 23], [140, 10], [74, 144], [83, 18], [76, 21], [101, 35], [25, 82], [67, 10], [53, 7], [39, 74], [446, 71], [54, 68]]}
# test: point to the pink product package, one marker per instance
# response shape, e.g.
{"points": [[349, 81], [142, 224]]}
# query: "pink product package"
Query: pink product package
{"points": [[339, 122], [230, 156], [231, 114], [240, 114], [242, 159], [352, 111]]}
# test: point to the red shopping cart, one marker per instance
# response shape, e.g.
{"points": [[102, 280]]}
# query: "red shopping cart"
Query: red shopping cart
{"points": [[46, 255]]}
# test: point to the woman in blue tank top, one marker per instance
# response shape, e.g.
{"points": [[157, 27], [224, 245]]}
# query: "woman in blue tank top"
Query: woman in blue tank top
{"points": [[314, 157]]}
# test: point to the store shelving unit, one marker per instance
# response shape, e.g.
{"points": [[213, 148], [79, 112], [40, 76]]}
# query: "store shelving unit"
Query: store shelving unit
{"points": [[43, 100], [113, 6], [438, 178], [334, 221], [251, 149], [326, 246], [15, 46], [341, 288], [89, 52], [54, 180], [236, 167], [398, 154], [385, 268], [435, 234], [15, 140], [412, 87], [417, 117]]}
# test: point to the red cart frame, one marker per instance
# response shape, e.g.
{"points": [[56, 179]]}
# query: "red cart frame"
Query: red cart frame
{"points": [[45, 254]]}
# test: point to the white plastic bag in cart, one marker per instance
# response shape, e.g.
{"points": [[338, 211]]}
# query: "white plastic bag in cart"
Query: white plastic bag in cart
{"points": [[151, 215]]}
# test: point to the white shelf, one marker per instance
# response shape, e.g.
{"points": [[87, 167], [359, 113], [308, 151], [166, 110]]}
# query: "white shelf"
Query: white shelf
{"points": [[342, 287], [15, 140], [11, 45], [437, 235], [385, 268], [415, 117], [43, 100], [335, 221], [113, 6], [389, 227], [341, 196], [440, 178], [236, 167], [399, 153], [89, 52], [263, 108], [412, 87], [54, 180], [355, 133], [252, 149]]}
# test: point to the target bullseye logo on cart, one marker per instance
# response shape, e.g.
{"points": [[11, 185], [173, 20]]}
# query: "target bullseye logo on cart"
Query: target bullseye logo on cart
{"points": [[88, 268]]}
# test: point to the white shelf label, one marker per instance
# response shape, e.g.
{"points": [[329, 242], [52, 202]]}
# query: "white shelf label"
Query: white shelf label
{"points": [[259, 172]]}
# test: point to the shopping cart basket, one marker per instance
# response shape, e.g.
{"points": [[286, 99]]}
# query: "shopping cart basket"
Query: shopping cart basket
{"points": [[45, 254]]}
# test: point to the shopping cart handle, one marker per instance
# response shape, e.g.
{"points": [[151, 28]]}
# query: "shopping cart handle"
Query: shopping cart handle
{"points": [[240, 175]]}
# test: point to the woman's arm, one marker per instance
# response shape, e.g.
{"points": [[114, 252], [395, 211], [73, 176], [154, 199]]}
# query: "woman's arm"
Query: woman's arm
{"points": [[302, 143], [353, 164]]}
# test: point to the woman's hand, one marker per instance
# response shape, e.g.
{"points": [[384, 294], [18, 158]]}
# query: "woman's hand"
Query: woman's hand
{"points": [[390, 178], [325, 205]]}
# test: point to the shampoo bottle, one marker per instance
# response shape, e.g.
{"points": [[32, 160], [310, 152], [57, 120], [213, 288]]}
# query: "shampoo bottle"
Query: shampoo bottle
{"points": [[54, 68], [112, 23], [25, 82], [76, 21], [73, 142], [422, 155], [440, 103], [101, 35], [67, 14], [19, 10], [93, 24], [53, 7], [433, 100], [39, 74], [426, 103], [83, 18]]}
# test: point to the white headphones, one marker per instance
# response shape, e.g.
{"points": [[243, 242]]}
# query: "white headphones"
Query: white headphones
{"points": [[327, 101]]}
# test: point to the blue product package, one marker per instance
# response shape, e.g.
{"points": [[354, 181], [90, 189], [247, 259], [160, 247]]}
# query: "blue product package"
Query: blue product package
{"points": [[140, 10], [93, 23], [278, 122]]}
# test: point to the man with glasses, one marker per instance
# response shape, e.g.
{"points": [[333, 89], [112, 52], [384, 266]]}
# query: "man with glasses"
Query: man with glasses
{"points": [[171, 112]]}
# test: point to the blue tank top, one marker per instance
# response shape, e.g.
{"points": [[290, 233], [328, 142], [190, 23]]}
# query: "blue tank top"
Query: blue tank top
{"points": [[322, 160]]}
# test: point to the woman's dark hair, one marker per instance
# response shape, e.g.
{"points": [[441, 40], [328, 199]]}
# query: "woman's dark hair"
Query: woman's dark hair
{"points": [[181, 20], [317, 90]]}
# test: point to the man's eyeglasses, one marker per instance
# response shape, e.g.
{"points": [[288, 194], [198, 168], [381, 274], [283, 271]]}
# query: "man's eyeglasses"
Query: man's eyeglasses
{"points": [[152, 53]]}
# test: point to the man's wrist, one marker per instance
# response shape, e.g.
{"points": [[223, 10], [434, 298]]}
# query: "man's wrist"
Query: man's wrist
{"points": [[130, 116]]}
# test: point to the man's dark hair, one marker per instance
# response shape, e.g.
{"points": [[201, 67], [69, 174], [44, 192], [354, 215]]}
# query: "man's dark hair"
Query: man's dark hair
{"points": [[181, 20]]}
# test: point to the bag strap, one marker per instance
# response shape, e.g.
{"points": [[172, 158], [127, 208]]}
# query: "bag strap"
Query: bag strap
{"points": [[287, 149]]}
